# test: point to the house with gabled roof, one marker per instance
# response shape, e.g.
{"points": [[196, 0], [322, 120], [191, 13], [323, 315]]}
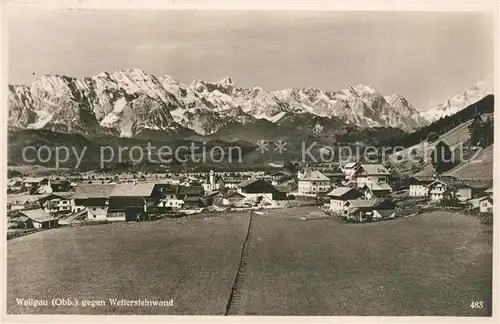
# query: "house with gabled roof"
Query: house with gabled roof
{"points": [[40, 219], [340, 196], [132, 201], [191, 197], [314, 182], [370, 209], [375, 190], [349, 169], [231, 198], [463, 190], [94, 198], [254, 188], [486, 205], [371, 174], [419, 185]]}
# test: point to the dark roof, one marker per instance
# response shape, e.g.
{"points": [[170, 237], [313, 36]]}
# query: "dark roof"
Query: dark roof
{"points": [[213, 193], [370, 204], [86, 191], [192, 199], [284, 189], [191, 190], [119, 203], [248, 182]]}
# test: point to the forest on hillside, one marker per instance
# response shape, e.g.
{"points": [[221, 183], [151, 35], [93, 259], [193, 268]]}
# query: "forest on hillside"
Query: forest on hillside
{"points": [[443, 125]]}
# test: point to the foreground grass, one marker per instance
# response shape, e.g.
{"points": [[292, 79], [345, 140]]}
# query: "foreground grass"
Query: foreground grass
{"points": [[431, 264], [192, 261]]}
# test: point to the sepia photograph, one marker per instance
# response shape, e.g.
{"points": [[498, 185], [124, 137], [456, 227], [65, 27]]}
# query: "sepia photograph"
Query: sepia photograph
{"points": [[249, 162]]}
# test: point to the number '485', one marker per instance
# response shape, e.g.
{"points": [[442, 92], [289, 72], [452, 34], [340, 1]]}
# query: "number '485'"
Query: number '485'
{"points": [[476, 304]]}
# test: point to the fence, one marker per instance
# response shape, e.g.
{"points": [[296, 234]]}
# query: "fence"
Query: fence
{"points": [[19, 233]]}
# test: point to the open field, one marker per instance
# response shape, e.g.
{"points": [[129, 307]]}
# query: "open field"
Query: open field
{"points": [[432, 264], [192, 261]]}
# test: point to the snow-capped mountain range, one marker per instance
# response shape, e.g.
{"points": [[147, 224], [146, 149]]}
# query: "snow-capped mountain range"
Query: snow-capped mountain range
{"points": [[461, 100], [129, 101]]}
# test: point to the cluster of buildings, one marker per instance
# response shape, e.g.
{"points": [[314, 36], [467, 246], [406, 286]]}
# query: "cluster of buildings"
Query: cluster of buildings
{"points": [[475, 195], [140, 200], [363, 193], [355, 191]]}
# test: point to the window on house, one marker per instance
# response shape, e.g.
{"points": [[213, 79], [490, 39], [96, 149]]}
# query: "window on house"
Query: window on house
{"points": [[94, 209]]}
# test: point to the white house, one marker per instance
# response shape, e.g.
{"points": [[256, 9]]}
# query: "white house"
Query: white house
{"points": [[419, 186], [350, 169], [437, 190], [486, 205], [370, 174], [375, 190], [169, 197], [314, 182], [339, 198], [56, 204], [93, 197]]}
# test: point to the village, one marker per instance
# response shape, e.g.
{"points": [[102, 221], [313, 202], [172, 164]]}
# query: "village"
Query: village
{"points": [[354, 192]]}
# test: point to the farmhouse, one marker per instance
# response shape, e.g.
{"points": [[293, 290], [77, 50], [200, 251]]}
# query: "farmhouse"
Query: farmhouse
{"points": [[191, 197], [39, 219], [340, 196], [168, 196], [437, 190], [59, 203], [132, 201], [94, 198], [233, 198], [313, 182], [20, 202], [375, 190], [31, 184], [60, 185], [370, 209], [463, 190], [486, 205], [419, 186], [370, 174], [254, 188]]}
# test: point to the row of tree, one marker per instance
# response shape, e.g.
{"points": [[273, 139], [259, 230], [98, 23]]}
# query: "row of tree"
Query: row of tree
{"points": [[445, 124]]}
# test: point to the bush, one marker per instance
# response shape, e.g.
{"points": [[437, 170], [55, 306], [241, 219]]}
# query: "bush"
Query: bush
{"points": [[486, 218]]}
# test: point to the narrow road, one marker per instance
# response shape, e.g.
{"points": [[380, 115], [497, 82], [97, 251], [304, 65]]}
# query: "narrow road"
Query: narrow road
{"points": [[234, 304]]}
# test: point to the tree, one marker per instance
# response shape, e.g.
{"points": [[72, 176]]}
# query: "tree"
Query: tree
{"points": [[290, 167], [488, 132], [477, 137], [442, 157], [450, 198]]}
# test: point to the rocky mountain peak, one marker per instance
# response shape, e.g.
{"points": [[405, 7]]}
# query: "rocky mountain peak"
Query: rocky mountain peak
{"points": [[129, 100]]}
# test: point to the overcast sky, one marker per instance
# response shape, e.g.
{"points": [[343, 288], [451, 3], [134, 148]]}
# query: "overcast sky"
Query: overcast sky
{"points": [[426, 57]]}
